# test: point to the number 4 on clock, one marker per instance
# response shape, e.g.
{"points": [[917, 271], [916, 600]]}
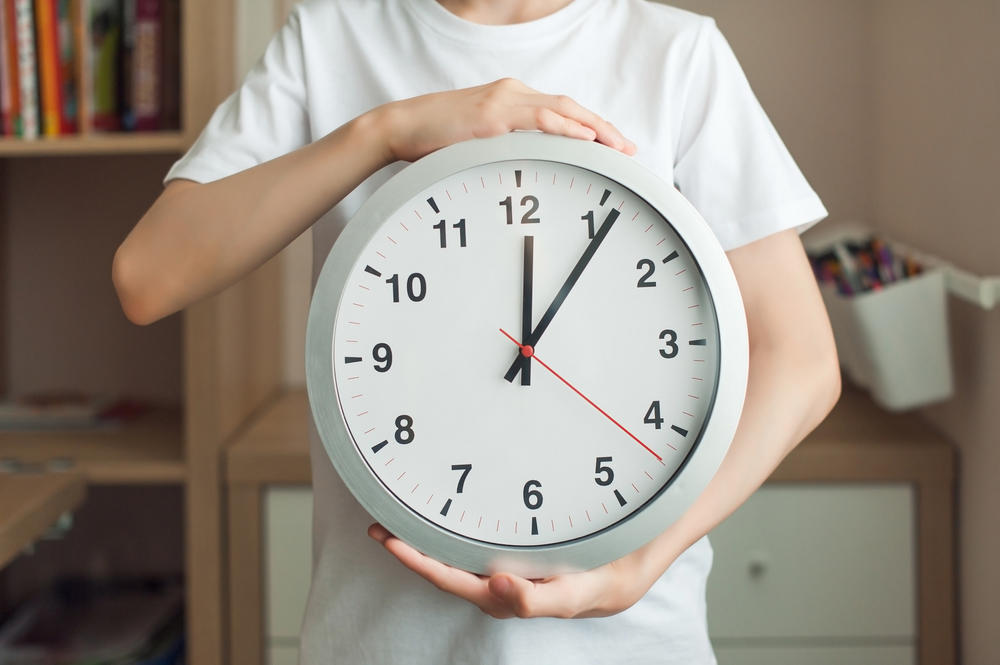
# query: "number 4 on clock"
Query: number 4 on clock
{"points": [[653, 415]]}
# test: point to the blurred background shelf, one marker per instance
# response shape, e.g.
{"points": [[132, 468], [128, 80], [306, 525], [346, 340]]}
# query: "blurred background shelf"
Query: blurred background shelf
{"points": [[153, 504], [148, 450], [32, 502], [97, 144]]}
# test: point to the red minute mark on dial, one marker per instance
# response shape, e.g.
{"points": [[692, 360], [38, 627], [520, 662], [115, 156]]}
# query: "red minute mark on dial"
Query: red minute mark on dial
{"points": [[529, 352]]}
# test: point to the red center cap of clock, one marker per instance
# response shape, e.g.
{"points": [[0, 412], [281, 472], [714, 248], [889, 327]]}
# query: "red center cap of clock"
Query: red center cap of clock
{"points": [[527, 351]]}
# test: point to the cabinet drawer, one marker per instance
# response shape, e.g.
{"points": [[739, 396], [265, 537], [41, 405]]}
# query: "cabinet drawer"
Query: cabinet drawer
{"points": [[816, 561], [286, 530], [288, 655], [796, 655]]}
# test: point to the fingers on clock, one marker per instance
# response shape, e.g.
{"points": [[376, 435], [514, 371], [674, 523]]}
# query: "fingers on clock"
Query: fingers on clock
{"points": [[604, 131], [379, 532], [549, 121], [555, 114]]}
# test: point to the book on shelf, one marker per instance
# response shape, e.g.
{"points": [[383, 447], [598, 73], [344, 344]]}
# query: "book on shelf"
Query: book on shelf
{"points": [[68, 411], [84, 66], [27, 70], [9, 84], [104, 46]]}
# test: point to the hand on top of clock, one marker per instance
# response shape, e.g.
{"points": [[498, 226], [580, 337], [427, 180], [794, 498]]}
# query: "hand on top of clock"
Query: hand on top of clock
{"points": [[571, 280], [412, 128], [601, 592]]}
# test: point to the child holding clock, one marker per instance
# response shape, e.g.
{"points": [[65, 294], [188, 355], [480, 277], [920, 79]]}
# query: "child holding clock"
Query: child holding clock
{"points": [[349, 90]]}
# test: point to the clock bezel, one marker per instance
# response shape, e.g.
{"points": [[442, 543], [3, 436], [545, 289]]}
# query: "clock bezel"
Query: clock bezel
{"points": [[613, 541]]}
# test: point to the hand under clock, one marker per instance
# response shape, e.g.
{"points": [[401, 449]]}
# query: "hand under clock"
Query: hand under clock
{"points": [[574, 275], [601, 592]]}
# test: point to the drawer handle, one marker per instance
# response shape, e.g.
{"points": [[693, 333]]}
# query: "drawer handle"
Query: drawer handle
{"points": [[758, 565]]}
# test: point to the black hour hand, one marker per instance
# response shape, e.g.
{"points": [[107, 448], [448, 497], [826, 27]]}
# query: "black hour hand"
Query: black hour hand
{"points": [[526, 291], [574, 275]]}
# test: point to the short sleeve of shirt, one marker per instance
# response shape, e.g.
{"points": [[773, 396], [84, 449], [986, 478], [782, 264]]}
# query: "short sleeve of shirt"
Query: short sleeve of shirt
{"points": [[730, 162], [264, 119]]}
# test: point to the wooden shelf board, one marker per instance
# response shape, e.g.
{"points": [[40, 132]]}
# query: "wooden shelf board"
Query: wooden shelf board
{"points": [[275, 447], [96, 144], [860, 442], [146, 451], [31, 504]]}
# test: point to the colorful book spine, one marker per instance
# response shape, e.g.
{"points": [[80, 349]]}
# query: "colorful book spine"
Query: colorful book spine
{"points": [[80, 20], [73, 66], [147, 65], [66, 64], [27, 72], [126, 65], [12, 81], [104, 90], [6, 117], [171, 99], [47, 48]]}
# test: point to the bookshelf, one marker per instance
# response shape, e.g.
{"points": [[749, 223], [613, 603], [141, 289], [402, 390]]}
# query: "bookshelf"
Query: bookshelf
{"points": [[65, 205], [37, 502]]}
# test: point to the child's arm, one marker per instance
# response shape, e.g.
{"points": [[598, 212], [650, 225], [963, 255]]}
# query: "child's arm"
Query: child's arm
{"points": [[794, 382], [197, 239]]}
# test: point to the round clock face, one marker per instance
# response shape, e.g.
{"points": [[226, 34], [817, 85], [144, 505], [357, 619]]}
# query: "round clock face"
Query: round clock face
{"points": [[524, 355]]}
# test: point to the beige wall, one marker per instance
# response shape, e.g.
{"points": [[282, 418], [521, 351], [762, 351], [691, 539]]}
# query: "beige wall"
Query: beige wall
{"points": [[891, 108], [808, 64], [937, 156]]}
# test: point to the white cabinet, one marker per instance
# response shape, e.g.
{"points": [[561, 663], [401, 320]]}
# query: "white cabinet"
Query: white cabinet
{"points": [[831, 655], [287, 547], [816, 574], [282, 655]]}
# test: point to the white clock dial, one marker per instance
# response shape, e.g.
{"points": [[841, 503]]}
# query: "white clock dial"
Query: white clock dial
{"points": [[542, 450]]}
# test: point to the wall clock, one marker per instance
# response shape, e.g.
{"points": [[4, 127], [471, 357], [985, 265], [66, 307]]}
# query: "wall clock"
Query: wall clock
{"points": [[526, 353]]}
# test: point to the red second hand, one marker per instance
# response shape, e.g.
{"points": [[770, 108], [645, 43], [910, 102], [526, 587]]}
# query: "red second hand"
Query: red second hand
{"points": [[529, 352]]}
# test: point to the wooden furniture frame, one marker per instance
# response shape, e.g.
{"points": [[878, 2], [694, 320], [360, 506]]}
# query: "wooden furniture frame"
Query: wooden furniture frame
{"points": [[231, 365], [858, 443]]}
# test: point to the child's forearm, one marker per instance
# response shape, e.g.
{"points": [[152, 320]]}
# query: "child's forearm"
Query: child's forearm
{"points": [[787, 397], [793, 383], [197, 239]]}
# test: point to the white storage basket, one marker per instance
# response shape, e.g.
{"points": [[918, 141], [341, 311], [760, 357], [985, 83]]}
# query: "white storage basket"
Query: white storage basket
{"points": [[895, 342]]}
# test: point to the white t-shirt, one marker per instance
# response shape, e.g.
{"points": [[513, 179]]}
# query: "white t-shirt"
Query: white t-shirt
{"points": [[667, 79]]}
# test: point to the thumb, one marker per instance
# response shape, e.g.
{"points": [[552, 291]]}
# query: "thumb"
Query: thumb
{"points": [[511, 590]]}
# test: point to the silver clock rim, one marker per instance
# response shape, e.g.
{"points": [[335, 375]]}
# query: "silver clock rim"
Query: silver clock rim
{"points": [[619, 539]]}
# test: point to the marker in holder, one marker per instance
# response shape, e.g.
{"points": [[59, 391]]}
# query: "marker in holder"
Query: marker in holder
{"points": [[889, 316]]}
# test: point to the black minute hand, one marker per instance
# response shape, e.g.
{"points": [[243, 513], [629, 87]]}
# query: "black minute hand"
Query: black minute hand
{"points": [[567, 286]]}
